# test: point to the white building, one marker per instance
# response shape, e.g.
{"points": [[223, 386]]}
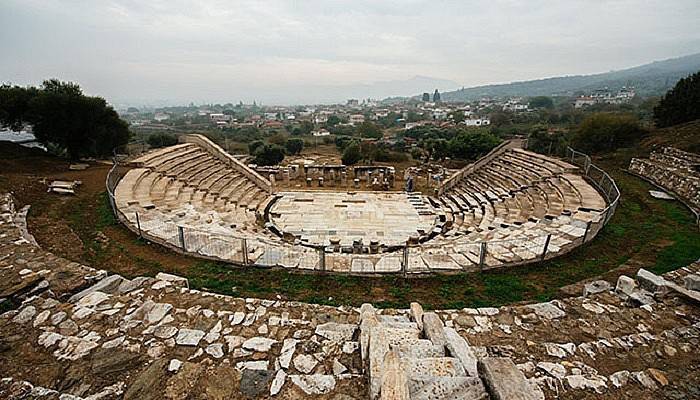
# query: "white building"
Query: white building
{"points": [[477, 122], [218, 117], [161, 117], [440, 114], [356, 119]]}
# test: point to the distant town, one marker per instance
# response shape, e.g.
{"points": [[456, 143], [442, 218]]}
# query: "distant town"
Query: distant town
{"points": [[429, 110]]}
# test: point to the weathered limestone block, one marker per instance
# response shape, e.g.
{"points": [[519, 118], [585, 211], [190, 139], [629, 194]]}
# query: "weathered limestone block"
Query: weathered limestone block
{"points": [[691, 295], [625, 285], [107, 285], [395, 381], [640, 297], [448, 387], [378, 347], [434, 329], [368, 320], [314, 384], [504, 381], [548, 310], [417, 314], [459, 348], [335, 331], [174, 279], [596, 287], [692, 282], [651, 282]]}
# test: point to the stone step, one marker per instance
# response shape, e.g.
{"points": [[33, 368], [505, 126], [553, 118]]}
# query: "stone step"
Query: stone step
{"points": [[420, 348], [396, 336], [393, 318], [397, 321], [438, 388], [434, 366]]}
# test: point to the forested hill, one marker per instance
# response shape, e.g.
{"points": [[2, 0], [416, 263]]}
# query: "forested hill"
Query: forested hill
{"points": [[649, 80]]}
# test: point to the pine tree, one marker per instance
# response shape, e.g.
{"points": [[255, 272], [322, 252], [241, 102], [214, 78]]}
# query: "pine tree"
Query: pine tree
{"points": [[436, 96], [680, 104]]}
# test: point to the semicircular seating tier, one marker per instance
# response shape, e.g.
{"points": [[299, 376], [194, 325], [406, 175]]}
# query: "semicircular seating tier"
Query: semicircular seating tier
{"points": [[511, 207]]}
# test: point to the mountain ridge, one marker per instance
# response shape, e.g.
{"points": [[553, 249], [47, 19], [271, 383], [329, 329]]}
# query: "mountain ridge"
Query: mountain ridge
{"points": [[651, 79]]}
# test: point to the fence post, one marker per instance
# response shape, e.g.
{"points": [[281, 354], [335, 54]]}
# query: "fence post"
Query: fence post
{"points": [[138, 224], [181, 235], [585, 234], [322, 258], [404, 261], [607, 215], [482, 255], [244, 250], [546, 245]]}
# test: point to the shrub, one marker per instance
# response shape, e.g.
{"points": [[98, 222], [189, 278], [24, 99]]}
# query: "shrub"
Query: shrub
{"points": [[294, 146], [161, 140], [352, 154], [602, 132], [541, 141], [278, 138], [341, 142], [471, 145], [269, 154], [369, 130], [254, 145]]}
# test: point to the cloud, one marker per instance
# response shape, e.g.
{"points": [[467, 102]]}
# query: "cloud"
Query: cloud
{"points": [[184, 50]]}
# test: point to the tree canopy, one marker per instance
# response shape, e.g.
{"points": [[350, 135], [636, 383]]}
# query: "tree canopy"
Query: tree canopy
{"points": [[352, 154], [294, 146], [471, 145], [602, 132], [161, 139], [542, 141], [680, 104], [269, 154], [541, 102], [62, 116], [369, 130]]}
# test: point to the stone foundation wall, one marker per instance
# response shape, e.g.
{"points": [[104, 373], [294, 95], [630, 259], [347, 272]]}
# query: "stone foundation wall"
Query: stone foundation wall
{"points": [[673, 170]]}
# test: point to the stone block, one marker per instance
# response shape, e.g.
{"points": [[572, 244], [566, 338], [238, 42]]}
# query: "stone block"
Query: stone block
{"points": [[174, 279], [378, 347], [434, 329], [459, 348], [625, 285], [417, 314], [596, 287], [504, 381], [395, 381], [448, 387], [651, 282], [108, 285], [692, 282]]}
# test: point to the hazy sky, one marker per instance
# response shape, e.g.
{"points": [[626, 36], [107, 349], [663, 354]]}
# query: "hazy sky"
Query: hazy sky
{"points": [[283, 52]]}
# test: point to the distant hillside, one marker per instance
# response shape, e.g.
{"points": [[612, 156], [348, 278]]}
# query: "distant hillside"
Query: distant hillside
{"points": [[649, 80]]}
